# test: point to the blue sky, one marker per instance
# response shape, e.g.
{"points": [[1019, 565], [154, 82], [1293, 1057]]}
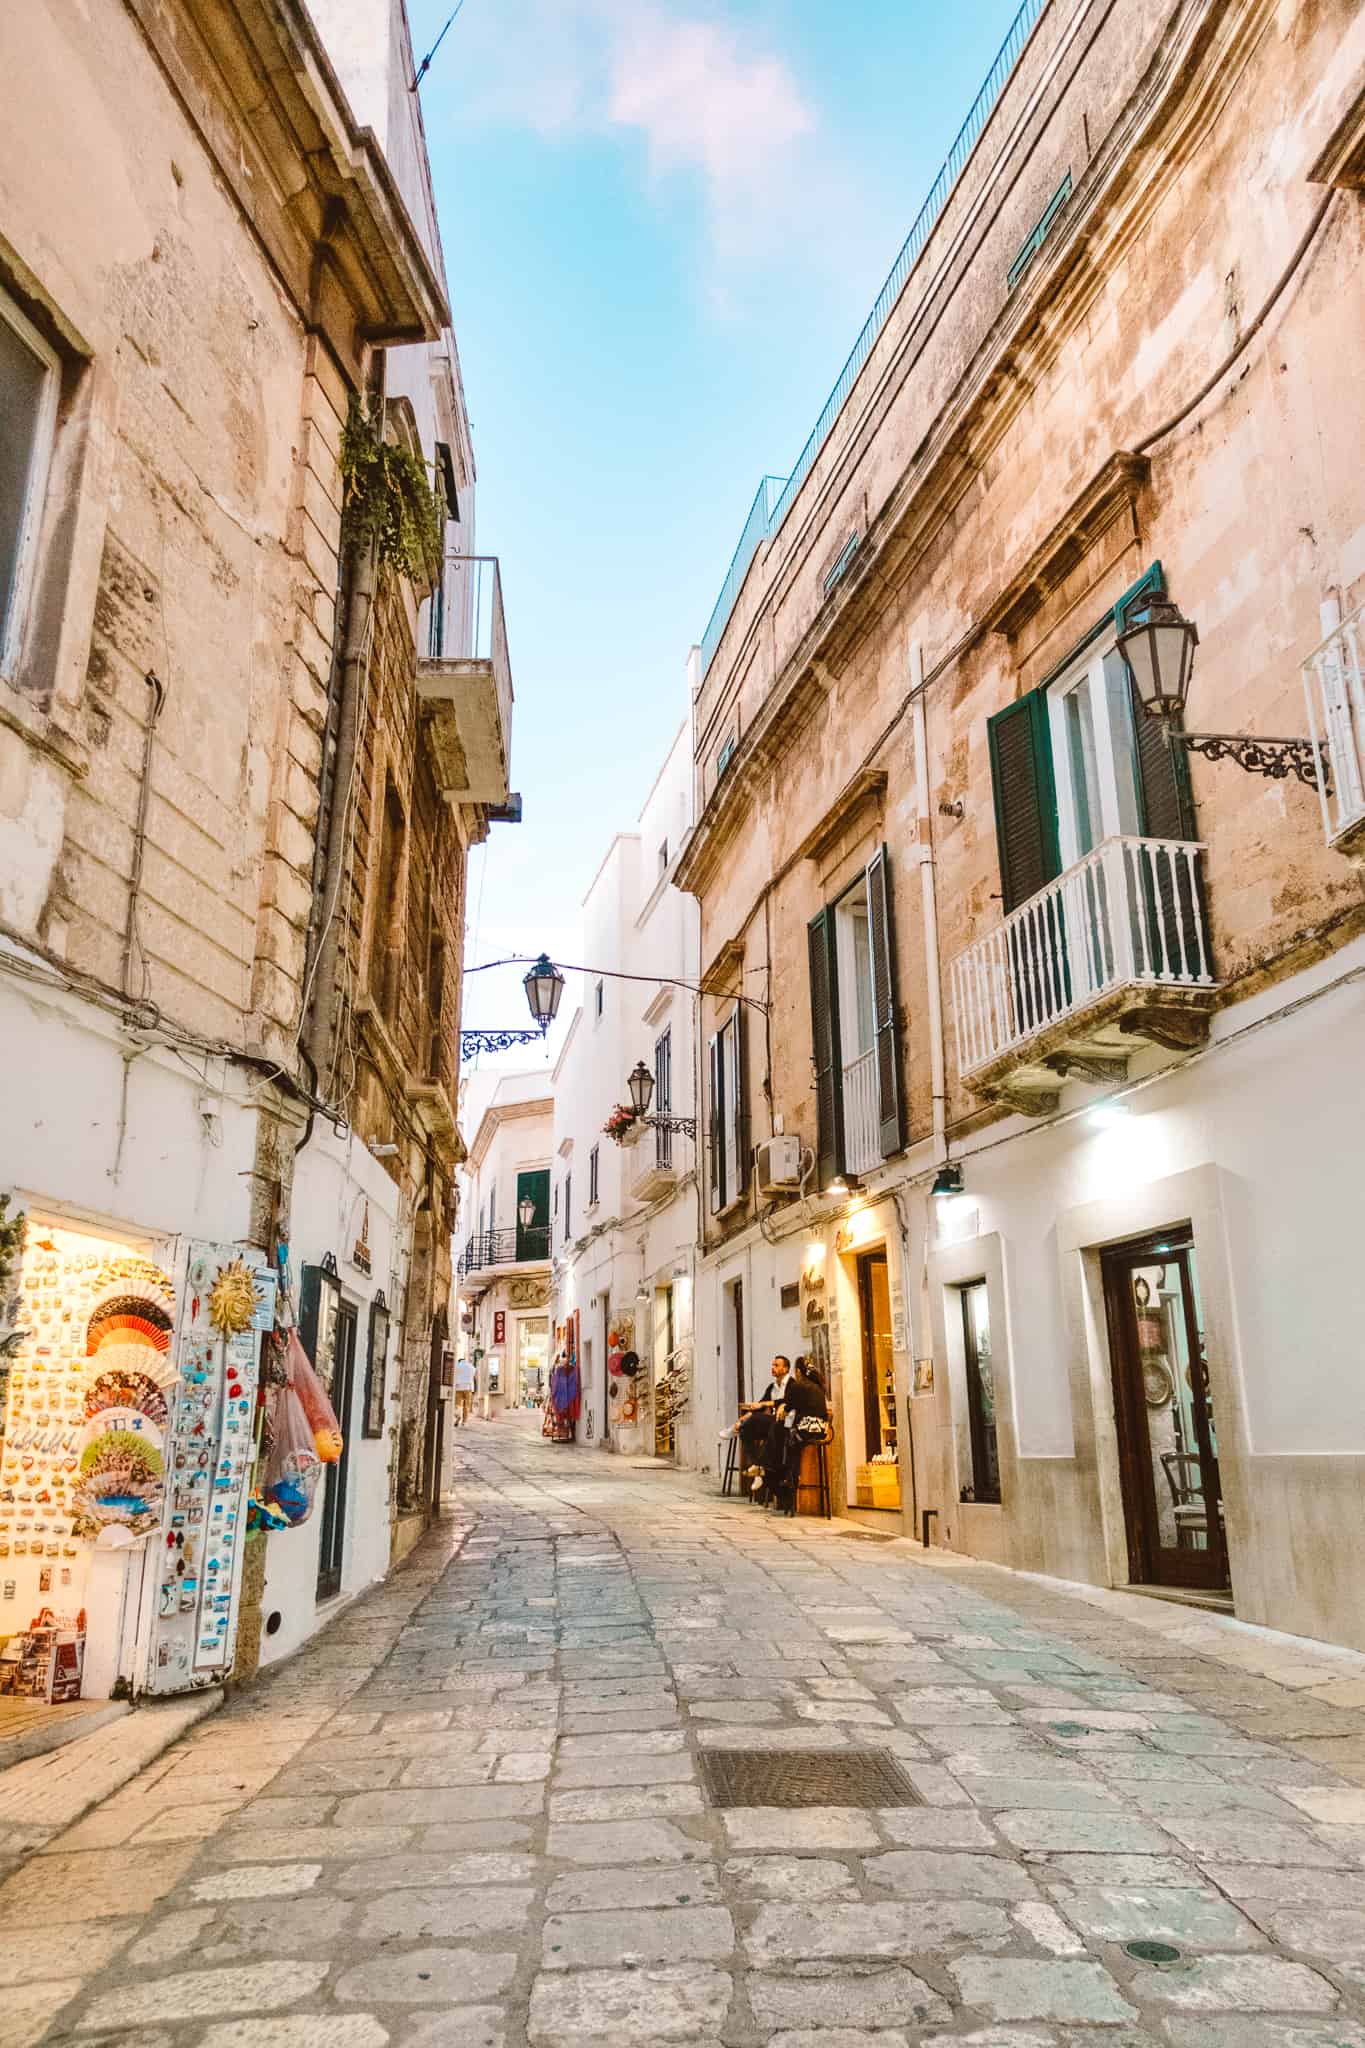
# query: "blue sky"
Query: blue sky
{"points": [[664, 223]]}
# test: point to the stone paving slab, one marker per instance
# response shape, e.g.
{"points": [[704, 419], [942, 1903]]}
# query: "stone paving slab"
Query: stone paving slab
{"points": [[472, 1814]]}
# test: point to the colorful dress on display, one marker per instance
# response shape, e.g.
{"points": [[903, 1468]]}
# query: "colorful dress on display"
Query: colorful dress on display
{"points": [[563, 1404]]}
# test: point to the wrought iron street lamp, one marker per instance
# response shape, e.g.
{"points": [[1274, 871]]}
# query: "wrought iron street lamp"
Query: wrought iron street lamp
{"points": [[526, 1212], [544, 987], [640, 1085], [1157, 646]]}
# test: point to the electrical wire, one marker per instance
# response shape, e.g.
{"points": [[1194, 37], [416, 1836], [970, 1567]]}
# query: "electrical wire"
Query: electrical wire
{"points": [[618, 974]]}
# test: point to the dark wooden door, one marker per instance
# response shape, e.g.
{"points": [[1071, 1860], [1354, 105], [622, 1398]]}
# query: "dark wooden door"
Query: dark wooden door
{"points": [[1167, 1434], [333, 1543], [739, 1341]]}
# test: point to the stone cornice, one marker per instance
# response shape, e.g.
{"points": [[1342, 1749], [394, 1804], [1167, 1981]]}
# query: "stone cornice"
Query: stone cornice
{"points": [[256, 83]]}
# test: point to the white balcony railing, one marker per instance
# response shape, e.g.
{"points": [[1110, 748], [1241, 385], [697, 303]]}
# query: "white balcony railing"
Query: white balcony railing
{"points": [[862, 1117], [1334, 685], [1130, 914]]}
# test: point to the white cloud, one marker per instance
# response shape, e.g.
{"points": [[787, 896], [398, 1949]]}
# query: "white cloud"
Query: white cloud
{"points": [[709, 101]]}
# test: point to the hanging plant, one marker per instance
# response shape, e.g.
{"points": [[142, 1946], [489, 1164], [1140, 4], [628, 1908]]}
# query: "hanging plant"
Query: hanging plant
{"points": [[387, 499], [13, 1229], [620, 1123]]}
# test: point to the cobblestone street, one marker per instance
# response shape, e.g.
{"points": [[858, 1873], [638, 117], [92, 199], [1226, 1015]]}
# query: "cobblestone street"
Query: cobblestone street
{"points": [[474, 1812]]}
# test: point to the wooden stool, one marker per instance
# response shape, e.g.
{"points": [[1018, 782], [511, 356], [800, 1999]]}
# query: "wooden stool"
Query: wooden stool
{"points": [[812, 1484], [731, 1472]]}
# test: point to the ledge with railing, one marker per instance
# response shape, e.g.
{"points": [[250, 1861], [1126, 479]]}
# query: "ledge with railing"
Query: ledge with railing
{"points": [[521, 1246], [1112, 954], [464, 681], [1334, 687]]}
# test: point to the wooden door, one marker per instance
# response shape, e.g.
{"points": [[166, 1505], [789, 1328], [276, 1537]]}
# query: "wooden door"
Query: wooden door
{"points": [[1168, 1440]]}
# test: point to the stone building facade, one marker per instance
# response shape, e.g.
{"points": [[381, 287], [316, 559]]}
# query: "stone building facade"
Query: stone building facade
{"points": [[504, 1243], [625, 1244], [226, 254], [1103, 993]]}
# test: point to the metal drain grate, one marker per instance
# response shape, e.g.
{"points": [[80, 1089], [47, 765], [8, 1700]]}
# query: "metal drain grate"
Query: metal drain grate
{"points": [[804, 1777]]}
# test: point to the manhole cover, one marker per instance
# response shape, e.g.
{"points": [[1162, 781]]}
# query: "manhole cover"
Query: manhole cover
{"points": [[1151, 1951], [864, 1536], [805, 1777]]}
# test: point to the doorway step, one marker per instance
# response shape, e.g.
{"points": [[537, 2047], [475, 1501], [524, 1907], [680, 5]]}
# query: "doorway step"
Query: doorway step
{"points": [[1186, 1596]]}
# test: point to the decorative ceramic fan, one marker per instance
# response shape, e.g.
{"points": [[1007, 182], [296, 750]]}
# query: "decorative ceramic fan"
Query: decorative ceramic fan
{"points": [[135, 1390], [233, 1299], [133, 1276], [131, 1313], [132, 1358], [120, 1484]]}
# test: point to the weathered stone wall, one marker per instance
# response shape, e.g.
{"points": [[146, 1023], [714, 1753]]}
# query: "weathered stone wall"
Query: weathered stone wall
{"points": [[999, 412]]}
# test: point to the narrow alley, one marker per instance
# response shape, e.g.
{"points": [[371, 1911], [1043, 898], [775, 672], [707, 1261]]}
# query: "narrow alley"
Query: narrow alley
{"points": [[552, 1784]]}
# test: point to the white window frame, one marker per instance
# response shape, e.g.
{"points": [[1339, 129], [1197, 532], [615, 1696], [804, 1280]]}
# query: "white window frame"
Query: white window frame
{"points": [[14, 621], [1115, 777]]}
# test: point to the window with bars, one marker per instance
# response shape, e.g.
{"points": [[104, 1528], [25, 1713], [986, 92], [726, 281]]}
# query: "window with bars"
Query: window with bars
{"points": [[594, 1184]]}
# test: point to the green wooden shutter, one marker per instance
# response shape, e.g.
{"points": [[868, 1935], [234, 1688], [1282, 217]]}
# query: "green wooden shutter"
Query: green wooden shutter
{"points": [[1025, 797], [739, 1105], [881, 940], [715, 1122], [824, 1025], [1163, 778]]}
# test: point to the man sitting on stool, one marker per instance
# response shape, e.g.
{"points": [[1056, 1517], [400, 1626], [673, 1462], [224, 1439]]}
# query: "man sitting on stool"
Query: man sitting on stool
{"points": [[753, 1429]]}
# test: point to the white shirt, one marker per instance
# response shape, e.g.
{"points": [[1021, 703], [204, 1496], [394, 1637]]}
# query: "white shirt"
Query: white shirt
{"points": [[464, 1376]]}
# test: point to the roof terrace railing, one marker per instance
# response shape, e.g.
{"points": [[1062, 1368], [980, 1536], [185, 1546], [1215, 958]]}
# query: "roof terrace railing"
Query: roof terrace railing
{"points": [[770, 507]]}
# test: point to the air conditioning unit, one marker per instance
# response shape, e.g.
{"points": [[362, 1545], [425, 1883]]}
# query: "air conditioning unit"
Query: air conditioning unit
{"points": [[777, 1166]]}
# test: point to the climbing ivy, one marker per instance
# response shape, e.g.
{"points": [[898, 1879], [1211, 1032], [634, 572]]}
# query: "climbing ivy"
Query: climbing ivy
{"points": [[387, 499]]}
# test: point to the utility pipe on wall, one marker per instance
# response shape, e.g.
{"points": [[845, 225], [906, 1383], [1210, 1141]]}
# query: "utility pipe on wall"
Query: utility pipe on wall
{"points": [[924, 849]]}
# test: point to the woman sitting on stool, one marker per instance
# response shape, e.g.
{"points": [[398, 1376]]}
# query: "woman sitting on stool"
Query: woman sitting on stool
{"points": [[804, 1419]]}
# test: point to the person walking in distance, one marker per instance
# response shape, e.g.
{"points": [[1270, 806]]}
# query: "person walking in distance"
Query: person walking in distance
{"points": [[464, 1390]]}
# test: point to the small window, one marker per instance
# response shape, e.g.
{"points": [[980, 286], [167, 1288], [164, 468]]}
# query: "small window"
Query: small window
{"points": [[663, 858], [597, 999], [594, 1165], [726, 755], [1036, 237], [984, 1483], [29, 380], [663, 1095], [568, 1206], [556, 1202]]}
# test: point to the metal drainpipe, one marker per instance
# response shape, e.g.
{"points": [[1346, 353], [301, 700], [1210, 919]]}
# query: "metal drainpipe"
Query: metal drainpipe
{"points": [[929, 900], [144, 796], [937, 1072], [318, 1026]]}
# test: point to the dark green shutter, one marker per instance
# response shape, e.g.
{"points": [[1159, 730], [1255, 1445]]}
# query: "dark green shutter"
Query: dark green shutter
{"points": [[1025, 798], [1166, 812], [1163, 778], [881, 940], [824, 1026], [739, 1107], [715, 1127]]}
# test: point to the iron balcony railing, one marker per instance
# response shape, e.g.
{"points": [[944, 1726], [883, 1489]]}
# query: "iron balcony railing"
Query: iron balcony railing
{"points": [[466, 621], [775, 497], [862, 1115], [1334, 686], [1131, 913], [516, 1247]]}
